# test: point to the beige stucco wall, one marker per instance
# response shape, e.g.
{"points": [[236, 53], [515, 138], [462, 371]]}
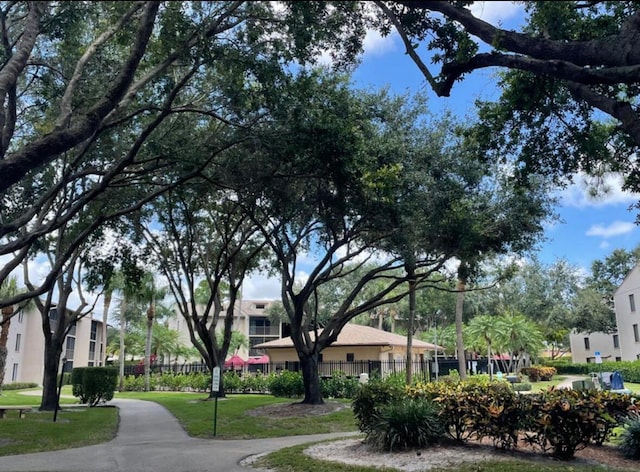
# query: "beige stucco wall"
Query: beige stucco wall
{"points": [[598, 342], [626, 318], [30, 359]]}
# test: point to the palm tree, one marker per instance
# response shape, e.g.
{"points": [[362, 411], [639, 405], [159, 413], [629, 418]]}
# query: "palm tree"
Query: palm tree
{"points": [[8, 288], [149, 293], [485, 328], [520, 337]]}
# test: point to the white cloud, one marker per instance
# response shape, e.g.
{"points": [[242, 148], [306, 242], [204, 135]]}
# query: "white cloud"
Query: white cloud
{"points": [[496, 12], [375, 44], [261, 287], [616, 228], [609, 192]]}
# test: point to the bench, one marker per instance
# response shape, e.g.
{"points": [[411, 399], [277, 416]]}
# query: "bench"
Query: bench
{"points": [[22, 409]]}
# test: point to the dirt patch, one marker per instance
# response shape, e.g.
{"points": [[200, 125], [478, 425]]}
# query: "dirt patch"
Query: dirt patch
{"points": [[355, 452], [287, 410]]}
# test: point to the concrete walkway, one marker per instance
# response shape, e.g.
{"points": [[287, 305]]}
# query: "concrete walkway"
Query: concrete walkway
{"points": [[150, 439]]}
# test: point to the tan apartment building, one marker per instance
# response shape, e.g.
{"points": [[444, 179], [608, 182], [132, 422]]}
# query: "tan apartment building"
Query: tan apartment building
{"points": [[84, 346], [627, 307], [250, 318], [585, 346]]}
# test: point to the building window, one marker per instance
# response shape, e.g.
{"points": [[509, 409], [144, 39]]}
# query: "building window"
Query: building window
{"points": [[260, 306], [71, 345], [20, 316], [587, 346], [14, 373], [18, 339], [618, 359], [636, 335], [261, 326], [632, 303], [616, 341], [350, 357]]}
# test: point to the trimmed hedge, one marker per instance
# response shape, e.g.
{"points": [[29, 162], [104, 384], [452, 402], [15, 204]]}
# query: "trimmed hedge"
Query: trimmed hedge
{"points": [[19, 385], [283, 384], [93, 385], [630, 370]]}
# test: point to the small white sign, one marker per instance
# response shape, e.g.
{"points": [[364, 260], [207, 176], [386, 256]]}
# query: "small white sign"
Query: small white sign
{"points": [[215, 383], [598, 357]]}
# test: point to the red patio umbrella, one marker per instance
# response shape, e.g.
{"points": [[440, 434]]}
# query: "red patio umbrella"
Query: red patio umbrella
{"points": [[264, 359], [234, 362]]}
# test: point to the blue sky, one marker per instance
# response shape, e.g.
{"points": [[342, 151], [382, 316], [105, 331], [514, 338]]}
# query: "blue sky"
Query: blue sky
{"points": [[588, 228]]}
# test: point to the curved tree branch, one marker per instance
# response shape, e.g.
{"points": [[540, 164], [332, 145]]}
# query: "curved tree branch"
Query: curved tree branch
{"points": [[51, 145]]}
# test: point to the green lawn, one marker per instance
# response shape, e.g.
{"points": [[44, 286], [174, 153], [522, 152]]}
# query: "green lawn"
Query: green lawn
{"points": [[18, 397], [74, 427], [195, 413]]}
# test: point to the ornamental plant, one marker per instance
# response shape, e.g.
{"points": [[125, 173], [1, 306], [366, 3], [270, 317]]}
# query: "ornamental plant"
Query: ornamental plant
{"points": [[371, 398], [93, 385], [630, 438], [404, 424], [562, 421], [475, 409]]}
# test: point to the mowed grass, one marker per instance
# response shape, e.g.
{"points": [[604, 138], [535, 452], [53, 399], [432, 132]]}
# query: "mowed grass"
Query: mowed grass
{"points": [[74, 427], [196, 413], [22, 397]]}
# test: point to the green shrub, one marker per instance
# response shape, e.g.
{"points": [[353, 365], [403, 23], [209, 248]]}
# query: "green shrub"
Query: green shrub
{"points": [[521, 387], [232, 382], [93, 385], [536, 373], [286, 384], [132, 383], [547, 373], [475, 408], [19, 385], [372, 397], [405, 424], [199, 382], [532, 373], [256, 383], [630, 438], [339, 386], [563, 421], [630, 370]]}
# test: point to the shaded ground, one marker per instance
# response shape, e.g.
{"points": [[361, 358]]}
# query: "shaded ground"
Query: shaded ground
{"points": [[286, 410]]}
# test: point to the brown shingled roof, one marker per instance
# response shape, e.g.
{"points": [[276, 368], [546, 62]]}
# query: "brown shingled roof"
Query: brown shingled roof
{"points": [[357, 335]]}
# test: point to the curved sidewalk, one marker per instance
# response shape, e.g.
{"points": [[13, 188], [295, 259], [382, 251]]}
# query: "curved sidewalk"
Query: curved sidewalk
{"points": [[150, 439]]}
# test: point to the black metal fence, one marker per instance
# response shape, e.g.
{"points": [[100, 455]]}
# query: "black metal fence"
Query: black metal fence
{"points": [[427, 369]]}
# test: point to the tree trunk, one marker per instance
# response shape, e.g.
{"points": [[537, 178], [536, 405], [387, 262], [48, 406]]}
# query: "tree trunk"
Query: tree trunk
{"points": [[52, 352], [311, 379], [489, 362], [147, 349], [7, 312], [462, 361], [123, 309], [105, 319], [412, 315]]}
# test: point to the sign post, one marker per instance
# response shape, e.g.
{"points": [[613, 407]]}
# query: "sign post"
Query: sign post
{"points": [[215, 388]]}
